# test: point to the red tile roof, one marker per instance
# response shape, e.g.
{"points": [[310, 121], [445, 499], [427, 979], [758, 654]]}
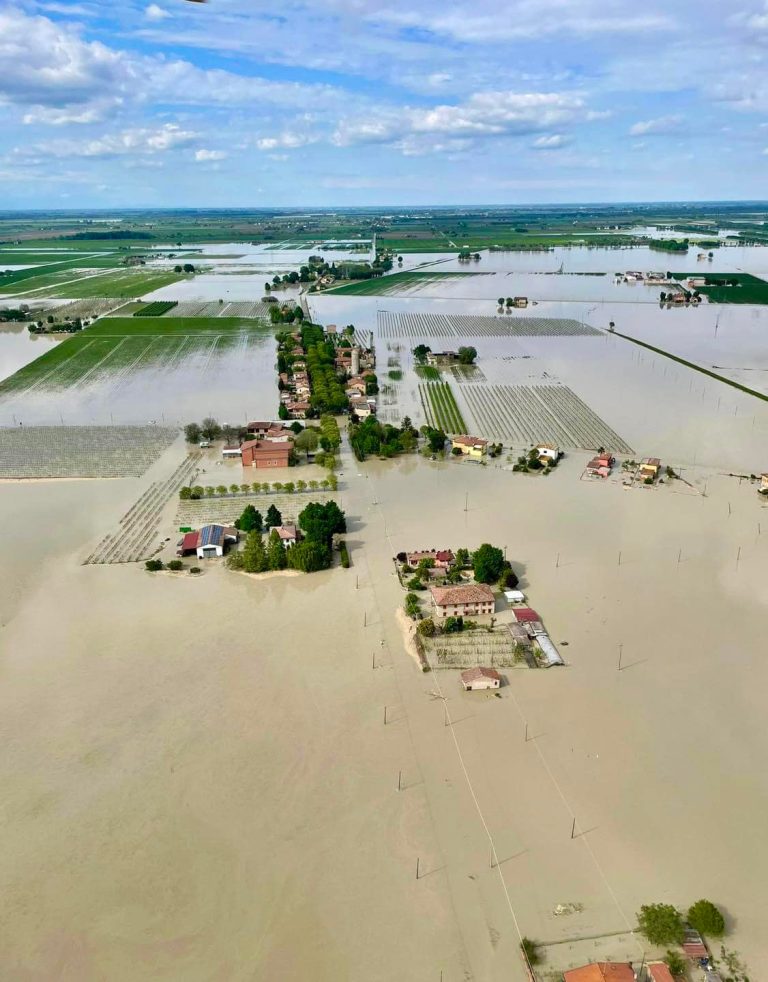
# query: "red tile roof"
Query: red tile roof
{"points": [[470, 441], [472, 674], [474, 593], [601, 972], [525, 614], [660, 972]]}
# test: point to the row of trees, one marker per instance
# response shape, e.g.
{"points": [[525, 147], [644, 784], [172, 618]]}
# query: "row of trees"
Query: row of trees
{"points": [[318, 522], [198, 491], [186, 268], [664, 924]]}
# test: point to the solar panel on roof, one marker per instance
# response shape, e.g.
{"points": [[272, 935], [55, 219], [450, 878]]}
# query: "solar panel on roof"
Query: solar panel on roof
{"points": [[211, 535]]}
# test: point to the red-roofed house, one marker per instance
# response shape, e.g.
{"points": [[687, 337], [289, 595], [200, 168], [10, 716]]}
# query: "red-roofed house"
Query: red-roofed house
{"points": [[480, 678], [660, 972], [265, 454], [463, 601], [443, 558], [601, 972]]}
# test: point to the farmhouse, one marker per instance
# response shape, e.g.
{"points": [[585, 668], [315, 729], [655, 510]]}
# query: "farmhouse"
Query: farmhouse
{"points": [[443, 558], [297, 410], [210, 541], [520, 301], [649, 468], [470, 446], [601, 972], [480, 678], [289, 535], [258, 453], [435, 358], [361, 407], [548, 451], [463, 601], [601, 465]]}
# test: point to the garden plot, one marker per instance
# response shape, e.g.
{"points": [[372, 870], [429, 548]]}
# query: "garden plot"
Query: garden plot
{"points": [[224, 510], [440, 407], [85, 309], [393, 325], [247, 308], [140, 525], [522, 415], [493, 649], [81, 451]]}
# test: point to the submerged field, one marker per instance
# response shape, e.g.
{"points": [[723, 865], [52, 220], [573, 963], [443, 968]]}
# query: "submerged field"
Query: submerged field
{"points": [[397, 282]]}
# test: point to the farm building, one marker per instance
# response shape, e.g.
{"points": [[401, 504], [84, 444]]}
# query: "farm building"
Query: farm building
{"points": [[650, 467], [601, 465], [435, 358], [480, 678], [693, 944], [523, 614], [548, 451], [289, 535], [514, 596], [210, 541], [549, 653], [601, 972], [470, 446], [660, 973], [520, 301], [443, 558], [463, 601], [261, 454], [231, 452]]}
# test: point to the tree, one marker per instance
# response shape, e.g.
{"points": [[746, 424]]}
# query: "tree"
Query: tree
{"points": [[530, 951], [189, 268], [411, 604], [487, 563], [675, 963], [661, 923], [501, 301], [509, 579], [421, 351], [309, 556], [273, 517], [254, 556], [426, 628], [250, 520], [154, 565], [307, 440], [210, 429], [467, 355], [275, 551], [320, 522], [462, 558], [436, 440], [282, 411], [705, 918]]}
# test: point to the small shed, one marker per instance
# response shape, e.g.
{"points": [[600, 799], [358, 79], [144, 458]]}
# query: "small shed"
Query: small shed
{"points": [[514, 596], [480, 678], [548, 651], [523, 614]]}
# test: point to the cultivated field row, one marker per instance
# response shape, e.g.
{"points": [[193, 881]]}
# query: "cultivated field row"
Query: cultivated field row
{"points": [[140, 525], [81, 451], [214, 309], [472, 648], [393, 325], [440, 407], [522, 415], [223, 511]]}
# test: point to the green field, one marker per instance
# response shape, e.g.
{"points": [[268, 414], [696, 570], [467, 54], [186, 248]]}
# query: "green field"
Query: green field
{"points": [[124, 345], [441, 408], [750, 289], [112, 283], [384, 285]]}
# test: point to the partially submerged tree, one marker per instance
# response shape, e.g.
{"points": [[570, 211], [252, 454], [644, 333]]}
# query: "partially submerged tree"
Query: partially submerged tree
{"points": [[661, 923], [487, 563], [706, 919]]}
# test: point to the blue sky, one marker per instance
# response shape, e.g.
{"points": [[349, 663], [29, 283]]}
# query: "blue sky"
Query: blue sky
{"points": [[364, 102]]}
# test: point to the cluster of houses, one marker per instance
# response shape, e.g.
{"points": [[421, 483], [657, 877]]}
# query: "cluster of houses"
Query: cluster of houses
{"points": [[270, 445], [295, 389], [601, 466], [213, 541], [617, 972], [649, 469], [636, 276], [470, 446]]}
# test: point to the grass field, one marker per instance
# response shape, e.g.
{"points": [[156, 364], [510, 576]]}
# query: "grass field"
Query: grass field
{"points": [[50, 273], [117, 347], [111, 283], [441, 409], [750, 289], [384, 285]]}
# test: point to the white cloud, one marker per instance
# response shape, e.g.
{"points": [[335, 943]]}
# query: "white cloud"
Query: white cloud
{"points": [[553, 142], [134, 142], [205, 155], [455, 127], [286, 141], [662, 124], [153, 12]]}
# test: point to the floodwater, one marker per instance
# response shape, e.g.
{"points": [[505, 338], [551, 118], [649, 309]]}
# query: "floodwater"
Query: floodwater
{"points": [[18, 347], [214, 795]]}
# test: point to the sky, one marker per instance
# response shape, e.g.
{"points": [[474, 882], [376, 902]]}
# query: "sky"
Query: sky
{"points": [[297, 103]]}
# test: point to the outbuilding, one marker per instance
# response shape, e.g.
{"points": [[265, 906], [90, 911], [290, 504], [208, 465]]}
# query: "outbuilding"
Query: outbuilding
{"points": [[210, 541], [480, 678], [263, 453]]}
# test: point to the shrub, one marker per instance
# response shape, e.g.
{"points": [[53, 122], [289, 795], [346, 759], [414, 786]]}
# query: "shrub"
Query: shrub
{"points": [[175, 565], [427, 628], [344, 552], [530, 951], [154, 565], [706, 919], [194, 569], [509, 580], [414, 583], [411, 604], [675, 963], [661, 923]]}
